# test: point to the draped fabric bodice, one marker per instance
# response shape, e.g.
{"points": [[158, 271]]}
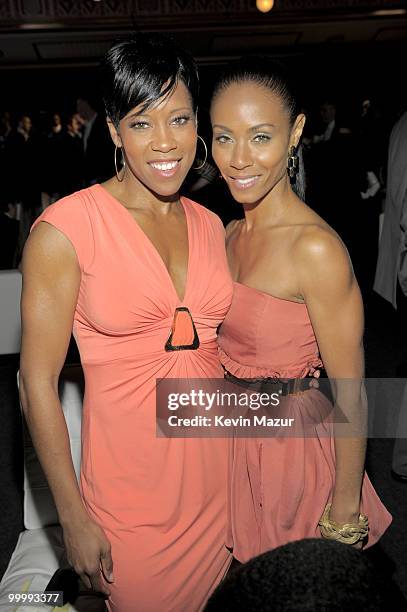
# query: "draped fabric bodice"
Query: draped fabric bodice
{"points": [[161, 501], [265, 336]]}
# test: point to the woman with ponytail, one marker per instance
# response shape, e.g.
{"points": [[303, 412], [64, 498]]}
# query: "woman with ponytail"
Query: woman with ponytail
{"points": [[296, 308]]}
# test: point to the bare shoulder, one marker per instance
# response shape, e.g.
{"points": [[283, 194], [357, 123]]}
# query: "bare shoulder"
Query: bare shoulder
{"points": [[48, 251], [47, 237], [320, 254], [317, 242]]}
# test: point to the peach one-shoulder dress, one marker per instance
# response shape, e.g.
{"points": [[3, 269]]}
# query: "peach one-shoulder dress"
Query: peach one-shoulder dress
{"points": [[279, 486], [160, 501]]}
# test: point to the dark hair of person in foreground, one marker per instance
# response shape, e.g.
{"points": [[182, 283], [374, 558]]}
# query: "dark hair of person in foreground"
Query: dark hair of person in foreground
{"points": [[310, 575]]}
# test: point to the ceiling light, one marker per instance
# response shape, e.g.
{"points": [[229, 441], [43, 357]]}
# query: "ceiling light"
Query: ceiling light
{"points": [[264, 6]]}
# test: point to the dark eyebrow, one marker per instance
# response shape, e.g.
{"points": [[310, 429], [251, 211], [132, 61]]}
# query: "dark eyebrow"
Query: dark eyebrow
{"points": [[222, 127], [257, 127], [183, 108], [134, 115], [252, 129], [176, 110]]}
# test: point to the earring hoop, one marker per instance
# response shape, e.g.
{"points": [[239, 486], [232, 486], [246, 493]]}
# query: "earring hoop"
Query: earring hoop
{"points": [[123, 164], [206, 155]]}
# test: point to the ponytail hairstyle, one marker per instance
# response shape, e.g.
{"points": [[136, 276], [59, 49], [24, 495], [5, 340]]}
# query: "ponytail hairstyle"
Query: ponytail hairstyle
{"points": [[272, 75]]}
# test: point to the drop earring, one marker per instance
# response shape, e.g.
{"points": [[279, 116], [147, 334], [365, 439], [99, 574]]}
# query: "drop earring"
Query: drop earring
{"points": [[293, 162]]}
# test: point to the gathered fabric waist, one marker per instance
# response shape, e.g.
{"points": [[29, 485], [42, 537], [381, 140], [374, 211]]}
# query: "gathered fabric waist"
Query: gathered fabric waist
{"points": [[255, 372], [97, 347]]}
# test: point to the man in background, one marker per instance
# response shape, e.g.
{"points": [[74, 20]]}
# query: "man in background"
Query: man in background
{"points": [[98, 149], [391, 271], [9, 229]]}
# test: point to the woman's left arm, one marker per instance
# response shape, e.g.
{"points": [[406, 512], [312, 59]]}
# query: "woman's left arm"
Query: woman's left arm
{"points": [[335, 307]]}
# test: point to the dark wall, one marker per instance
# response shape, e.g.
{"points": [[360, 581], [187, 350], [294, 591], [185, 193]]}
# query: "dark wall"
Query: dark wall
{"points": [[346, 72], [11, 460]]}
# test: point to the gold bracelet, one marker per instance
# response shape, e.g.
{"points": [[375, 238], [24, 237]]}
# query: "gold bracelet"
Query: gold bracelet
{"points": [[349, 533]]}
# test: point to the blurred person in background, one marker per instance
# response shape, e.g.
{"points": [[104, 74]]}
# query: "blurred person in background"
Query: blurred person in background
{"points": [[374, 134], [66, 159], [6, 156], [30, 159], [25, 127], [327, 114], [391, 271], [333, 174], [9, 228], [5, 126], [56, 127], [54, 173], [343, 184], [97, 146], [372, 137], [72, 156]]}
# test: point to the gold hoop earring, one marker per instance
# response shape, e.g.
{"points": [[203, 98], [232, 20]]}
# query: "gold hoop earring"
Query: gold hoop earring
{"points": [[115, 164], [206, 155]]}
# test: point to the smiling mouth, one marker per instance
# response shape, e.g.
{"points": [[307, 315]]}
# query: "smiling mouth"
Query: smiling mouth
{"points": [[244, 182], [167, 168], [169, 165]]}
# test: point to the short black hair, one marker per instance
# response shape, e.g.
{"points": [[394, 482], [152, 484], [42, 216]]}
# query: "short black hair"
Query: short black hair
{"points": [[302, 576], [144, 69]]}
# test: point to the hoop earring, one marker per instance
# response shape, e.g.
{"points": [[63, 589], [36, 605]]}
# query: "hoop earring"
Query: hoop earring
{"points": [[293, 163], [115, 164], [206, 155]]}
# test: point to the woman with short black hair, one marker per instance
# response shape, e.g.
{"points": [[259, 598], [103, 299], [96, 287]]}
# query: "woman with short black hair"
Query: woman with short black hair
{"points": [[141, 276]]}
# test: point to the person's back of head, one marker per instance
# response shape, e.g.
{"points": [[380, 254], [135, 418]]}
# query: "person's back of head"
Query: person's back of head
{"points": [[305, 576]]}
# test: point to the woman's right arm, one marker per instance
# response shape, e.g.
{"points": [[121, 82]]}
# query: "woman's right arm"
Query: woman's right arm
{"points": [[51, 280]]}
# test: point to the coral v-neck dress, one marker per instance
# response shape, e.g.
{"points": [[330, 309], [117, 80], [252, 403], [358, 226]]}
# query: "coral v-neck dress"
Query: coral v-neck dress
{"points": [[160, 501], [279, 486]]}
